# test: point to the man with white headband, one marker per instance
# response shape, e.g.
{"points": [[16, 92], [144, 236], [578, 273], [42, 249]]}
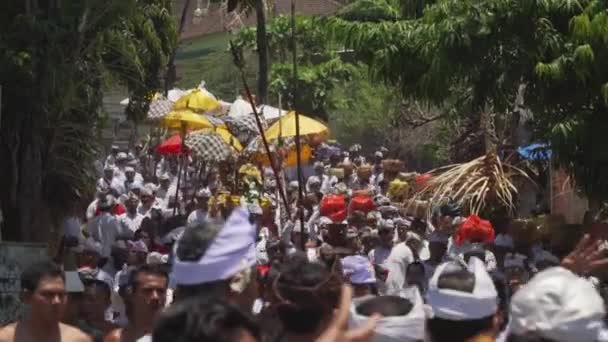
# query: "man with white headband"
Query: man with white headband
{"points": [[402, 318], [217, 259], [463, 300], [557, 306]]}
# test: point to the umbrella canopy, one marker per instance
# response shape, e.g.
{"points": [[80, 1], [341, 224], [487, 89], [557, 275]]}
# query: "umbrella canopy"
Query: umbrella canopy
{"points": [[226, 136], [243, 127], [159, 108], [217, 121], [191, 120], [173, 145], [256, 152], [286, 127], [208, 145], [197, 100]]}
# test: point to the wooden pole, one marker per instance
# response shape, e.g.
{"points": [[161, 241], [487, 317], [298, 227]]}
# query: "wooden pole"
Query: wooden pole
{"points": [[180, 166], [297, 117], [239, 64]]}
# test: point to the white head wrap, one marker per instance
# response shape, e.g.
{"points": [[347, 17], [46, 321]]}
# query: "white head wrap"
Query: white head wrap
{"points": [[410, 327], [558, 305], [156, 258], [461, 306], [313, 180], [151, 187], [204, 193], [358, 269], [324, 221], [232, 251]]}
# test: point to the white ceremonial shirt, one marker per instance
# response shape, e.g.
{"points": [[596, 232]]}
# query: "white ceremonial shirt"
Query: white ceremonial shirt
{"points": [[379, 255], [105, 229], [130, 222], [197, 216]]}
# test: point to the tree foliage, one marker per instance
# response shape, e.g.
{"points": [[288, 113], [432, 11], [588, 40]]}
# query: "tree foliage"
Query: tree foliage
{"points": [[485, 51], [320, 66], [55, 59]]}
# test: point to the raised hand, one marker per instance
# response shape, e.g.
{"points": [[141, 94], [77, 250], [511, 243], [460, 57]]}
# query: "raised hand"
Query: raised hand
{"points": [[338, 328], [586, 256]]}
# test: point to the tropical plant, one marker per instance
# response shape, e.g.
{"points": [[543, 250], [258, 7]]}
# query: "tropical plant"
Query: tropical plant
{"points": [[491, 50], [261, 41], [320, 65], [55, 59]]}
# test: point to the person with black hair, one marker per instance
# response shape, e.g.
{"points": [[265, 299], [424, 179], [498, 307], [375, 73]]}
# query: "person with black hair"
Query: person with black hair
{"points": [[43, 290], [145, 299], [74, 289], [446, 220], [415, 276], [307, 294], [464, 302], [95, 302], [201, 320], [217, 259]]}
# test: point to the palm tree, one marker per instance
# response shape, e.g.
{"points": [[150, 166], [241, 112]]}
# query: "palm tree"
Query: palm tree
{"points": [[56, 59]]}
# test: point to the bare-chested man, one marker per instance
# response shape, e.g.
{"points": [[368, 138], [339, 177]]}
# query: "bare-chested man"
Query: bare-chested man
{"points": [[146, 297], [43, 290]]}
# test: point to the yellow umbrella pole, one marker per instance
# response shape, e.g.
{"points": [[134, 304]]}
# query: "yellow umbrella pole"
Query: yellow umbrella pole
{"points": [[181, 165], [238, 61]]}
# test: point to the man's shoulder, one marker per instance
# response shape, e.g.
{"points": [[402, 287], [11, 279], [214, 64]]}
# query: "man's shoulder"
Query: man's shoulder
{"points": [[113, 336], [7, 333], [70, 333]]}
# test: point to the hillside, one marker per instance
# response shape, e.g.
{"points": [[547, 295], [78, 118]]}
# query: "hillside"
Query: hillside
{"points": [[216, 19]]}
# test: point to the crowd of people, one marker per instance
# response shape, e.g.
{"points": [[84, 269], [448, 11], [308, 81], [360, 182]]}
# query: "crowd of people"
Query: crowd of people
{"points": [[214, 253]]}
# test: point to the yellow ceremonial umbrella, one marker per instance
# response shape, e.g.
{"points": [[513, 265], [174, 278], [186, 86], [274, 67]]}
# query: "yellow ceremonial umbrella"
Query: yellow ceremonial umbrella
{"points": [[179, 119], [229, 138], [286, 127], [197, 100], [226, 136]]}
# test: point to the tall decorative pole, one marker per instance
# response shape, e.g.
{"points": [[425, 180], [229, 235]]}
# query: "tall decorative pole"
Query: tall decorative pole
{"points": [[297, 117], [238, 61]]}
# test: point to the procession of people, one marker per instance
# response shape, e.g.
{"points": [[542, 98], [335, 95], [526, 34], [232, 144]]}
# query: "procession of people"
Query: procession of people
{"points": [[217, 253]]}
